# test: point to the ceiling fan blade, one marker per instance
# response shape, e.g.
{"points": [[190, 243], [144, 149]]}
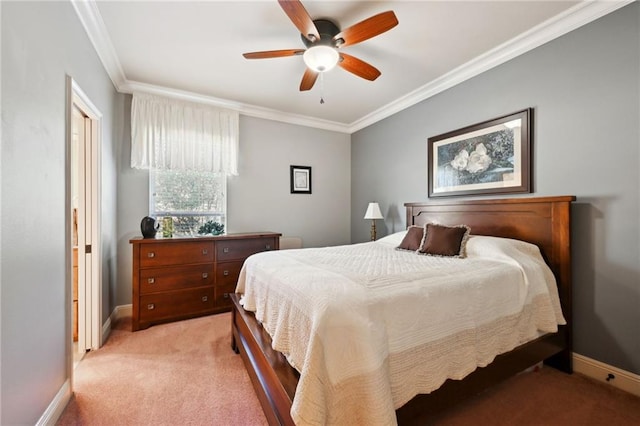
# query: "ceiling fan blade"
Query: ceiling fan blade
{"points": [[273, 53], [358, 67], [300, 18], [367, 29], [308, 79]]}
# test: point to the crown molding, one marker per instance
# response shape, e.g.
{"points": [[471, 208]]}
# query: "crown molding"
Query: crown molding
{"points": [[573, 18], [93, 24], [301, 120], [244, 109]]}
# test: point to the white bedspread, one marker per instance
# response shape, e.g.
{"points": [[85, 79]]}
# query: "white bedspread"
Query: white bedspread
{"points": [[369, 327]]}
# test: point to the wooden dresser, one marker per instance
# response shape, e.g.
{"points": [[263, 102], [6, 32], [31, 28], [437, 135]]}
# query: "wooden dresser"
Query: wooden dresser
{"points": [[178, 278]]}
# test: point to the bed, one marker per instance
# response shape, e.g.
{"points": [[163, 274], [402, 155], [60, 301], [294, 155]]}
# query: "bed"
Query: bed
{"points": [[544, 222]]}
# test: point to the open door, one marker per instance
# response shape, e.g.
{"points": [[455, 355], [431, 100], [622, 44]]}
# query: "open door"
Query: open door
{"points": [[84, 208]]}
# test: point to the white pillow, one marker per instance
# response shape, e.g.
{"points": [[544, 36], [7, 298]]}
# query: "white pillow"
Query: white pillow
{"points": [[393, 239], [485, 246]]}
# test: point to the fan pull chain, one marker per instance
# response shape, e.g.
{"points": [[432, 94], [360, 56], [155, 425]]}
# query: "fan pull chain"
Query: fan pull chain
{"points": [[321, 88]]}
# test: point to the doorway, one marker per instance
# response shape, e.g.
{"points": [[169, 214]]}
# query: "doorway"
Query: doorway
{"points": [[84, 129]]}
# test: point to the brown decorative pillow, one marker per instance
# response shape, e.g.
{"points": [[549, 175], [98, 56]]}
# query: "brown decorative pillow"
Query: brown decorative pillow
{"points": [[441, 240], [413, 239]]}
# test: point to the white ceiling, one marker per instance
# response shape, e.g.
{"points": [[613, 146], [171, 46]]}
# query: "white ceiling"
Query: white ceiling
{"points": [[194, 50]]}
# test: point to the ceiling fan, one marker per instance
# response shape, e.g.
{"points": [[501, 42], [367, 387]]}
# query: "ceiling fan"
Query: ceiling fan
{"points": [[323, 40]]}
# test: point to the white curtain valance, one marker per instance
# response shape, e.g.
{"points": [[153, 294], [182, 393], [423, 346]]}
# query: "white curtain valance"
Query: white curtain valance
{"points": [[180, 135]]}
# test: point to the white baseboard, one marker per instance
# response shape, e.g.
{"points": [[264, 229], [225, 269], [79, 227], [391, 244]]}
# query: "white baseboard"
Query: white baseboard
{"points": [[600, 371], [57, 406], [106, 330], [117, 313], [121, 311]]}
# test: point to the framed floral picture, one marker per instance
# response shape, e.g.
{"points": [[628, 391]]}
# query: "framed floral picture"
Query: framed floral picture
{"points": [[492, 157], [300, 177]]}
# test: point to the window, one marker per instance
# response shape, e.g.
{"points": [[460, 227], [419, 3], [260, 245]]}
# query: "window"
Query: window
{"points": [[188, 198], [189, 150]]}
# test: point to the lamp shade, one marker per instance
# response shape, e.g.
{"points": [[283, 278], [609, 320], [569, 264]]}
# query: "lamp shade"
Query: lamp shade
{"points": [[373, 212], [321, 58]]}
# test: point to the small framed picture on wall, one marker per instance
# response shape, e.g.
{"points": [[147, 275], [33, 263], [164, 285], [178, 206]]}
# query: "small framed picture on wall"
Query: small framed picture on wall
{"points": [[300, 179]]}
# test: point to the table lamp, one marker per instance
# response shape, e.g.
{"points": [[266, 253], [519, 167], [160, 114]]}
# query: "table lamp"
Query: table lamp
{"points": [[373, 213]]}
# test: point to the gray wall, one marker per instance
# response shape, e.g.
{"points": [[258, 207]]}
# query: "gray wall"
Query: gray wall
{"points": [[41, 44], [584, 88], [259, 198]]}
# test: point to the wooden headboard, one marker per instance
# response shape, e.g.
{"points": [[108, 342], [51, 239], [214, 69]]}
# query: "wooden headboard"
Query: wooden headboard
{"points": [[543, 221]]}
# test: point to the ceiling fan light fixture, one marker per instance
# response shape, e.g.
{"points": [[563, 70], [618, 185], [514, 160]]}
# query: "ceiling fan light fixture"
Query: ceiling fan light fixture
{"points": [[321, 58]]}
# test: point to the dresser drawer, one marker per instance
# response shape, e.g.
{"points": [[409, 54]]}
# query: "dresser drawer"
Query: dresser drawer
{"points": [[222, 294], [175, 277], [227, 272], [161, 306], [175, 253], [241, 249]]}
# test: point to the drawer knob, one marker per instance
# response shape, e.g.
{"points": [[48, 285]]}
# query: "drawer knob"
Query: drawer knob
{"points": [[267, 247], [226, 295], [151, 306], [225, 273], [151, 254], [205, 298], [205, 275], [205, 252], [151, 280], [225, 250]]}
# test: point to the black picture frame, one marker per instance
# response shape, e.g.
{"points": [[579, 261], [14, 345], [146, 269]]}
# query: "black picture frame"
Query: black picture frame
{"points": [[492, 157], [300, 177]]}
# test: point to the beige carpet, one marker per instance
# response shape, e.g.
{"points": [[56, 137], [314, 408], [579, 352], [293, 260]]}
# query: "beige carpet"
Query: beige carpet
{"points": [[547, 397], [182, 373], [185, 373]]}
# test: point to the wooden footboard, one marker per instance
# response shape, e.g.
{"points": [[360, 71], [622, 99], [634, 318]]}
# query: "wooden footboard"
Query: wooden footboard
{"points": [[274, 380], [542, 221]]}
